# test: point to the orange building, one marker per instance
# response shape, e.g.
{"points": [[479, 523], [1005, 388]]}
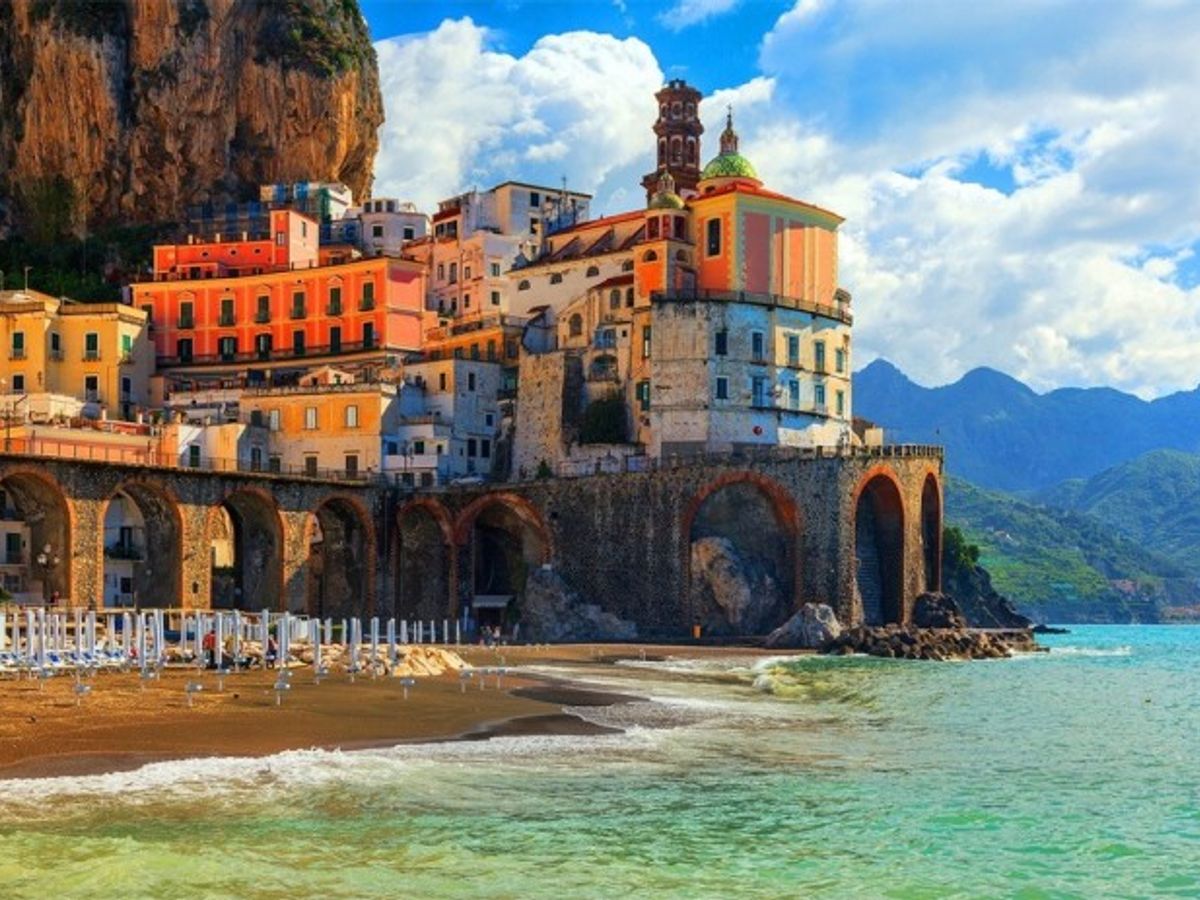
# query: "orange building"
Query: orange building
{"points": [[259, 303]]}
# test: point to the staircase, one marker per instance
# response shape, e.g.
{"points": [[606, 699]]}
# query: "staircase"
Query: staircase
{"points": [[867, 583]]}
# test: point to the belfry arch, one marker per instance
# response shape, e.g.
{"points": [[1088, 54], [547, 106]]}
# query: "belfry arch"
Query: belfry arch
{"points": [[742, 561], [340, 560], [879, 550], [246, 543]]}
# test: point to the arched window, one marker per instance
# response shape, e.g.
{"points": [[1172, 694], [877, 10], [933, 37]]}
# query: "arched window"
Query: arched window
{"points": [[627, 266], [681, 255], [691, 110], [576, 325], [691, 150], [556, 278], [680, 228], [649, 256], [614, 298], [676, 109], [523, 286], [676, 149], [593, 271], [662, 150], [652, 227], [629, 296], [663, 111]]}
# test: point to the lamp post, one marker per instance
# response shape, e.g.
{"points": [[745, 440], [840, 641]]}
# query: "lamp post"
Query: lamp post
{"points": [[27, 268], [47, 560]]}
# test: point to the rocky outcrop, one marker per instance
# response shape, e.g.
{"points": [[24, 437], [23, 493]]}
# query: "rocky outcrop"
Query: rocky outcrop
{"points": [[897, 642], [732, 595], [814, 626], [130, 110], [932, 610], [971, 587], [551, 611]]}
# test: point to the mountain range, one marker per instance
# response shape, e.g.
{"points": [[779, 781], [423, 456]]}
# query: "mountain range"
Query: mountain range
{"points": [[999, 433]]}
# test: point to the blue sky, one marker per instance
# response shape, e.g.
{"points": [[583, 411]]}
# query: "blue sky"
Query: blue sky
{"points": [[1018, 178]]}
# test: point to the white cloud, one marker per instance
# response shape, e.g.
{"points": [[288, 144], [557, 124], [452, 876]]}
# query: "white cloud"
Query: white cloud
{"points": [[686, 13], [459, 113]]}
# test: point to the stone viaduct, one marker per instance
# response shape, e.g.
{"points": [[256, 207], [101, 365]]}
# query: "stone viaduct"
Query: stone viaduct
{"points": [[860, 530]]}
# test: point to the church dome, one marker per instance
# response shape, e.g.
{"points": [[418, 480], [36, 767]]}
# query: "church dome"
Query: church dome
{"points": [[665, 197], [729, 163]]}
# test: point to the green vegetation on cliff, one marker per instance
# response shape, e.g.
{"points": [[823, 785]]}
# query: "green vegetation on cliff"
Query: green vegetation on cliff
{"points": [[1043, 557], [92, 269], [322, 37]]}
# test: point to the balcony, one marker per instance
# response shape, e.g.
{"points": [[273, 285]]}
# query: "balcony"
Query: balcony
{"points": [[185, 322], [14, 558], [333, 308], [56, 355], [299, 312], [91, 355], [262, 317], [279, 355], [226, 320], [366, 304], [125, 551], [17, 353]]}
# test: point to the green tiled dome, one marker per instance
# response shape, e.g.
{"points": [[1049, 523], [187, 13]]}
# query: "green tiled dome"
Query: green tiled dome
{"points": [[666, 200], [729, 165]]}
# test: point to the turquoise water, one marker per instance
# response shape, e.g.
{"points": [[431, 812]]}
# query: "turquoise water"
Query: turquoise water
{"points": [[1069, 774]]}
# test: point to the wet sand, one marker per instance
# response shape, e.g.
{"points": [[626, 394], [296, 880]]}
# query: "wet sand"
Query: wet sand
{"points": [[122, 725]]}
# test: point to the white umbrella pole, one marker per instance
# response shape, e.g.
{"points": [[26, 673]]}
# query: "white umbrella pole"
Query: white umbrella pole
{"points": [[391, 641]]}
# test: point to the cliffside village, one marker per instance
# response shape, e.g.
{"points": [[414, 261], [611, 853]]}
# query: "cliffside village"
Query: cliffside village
{"points": [[509, 335]]}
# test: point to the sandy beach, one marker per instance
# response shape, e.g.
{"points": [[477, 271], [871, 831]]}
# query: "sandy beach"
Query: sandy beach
{"points": [[123, 724]]}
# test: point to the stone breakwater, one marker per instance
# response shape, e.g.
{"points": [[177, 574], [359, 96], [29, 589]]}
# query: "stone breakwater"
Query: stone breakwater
{"points": [[907, 642]]}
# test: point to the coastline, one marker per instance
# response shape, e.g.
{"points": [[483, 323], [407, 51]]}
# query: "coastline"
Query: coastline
{"points": [[122, 725]]}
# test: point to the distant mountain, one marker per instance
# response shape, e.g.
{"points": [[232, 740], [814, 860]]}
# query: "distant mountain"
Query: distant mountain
{"points": [[1001, 434], [1153, 499], [1062, 565]]}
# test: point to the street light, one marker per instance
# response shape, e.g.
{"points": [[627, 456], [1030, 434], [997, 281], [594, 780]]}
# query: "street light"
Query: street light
{"points": [[46, 561]]}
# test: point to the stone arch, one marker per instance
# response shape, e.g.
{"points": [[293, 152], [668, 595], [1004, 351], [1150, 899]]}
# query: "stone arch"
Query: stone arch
{"points": [[503, 537], [46, 518], [141, 545], [742, 574], [246, 542], [931, 532], [424, 574], [341, 552], [879, 547]]}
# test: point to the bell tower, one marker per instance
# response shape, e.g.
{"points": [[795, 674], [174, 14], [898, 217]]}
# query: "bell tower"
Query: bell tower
{"points": [[677, 131]]}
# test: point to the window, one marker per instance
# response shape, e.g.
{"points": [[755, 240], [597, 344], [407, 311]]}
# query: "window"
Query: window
{"points": [[643, 395], [758, 391], [148, 309], [441, 271], [649, 256], [713, 230], [470, 381], [510, 349], [614, 298], [722, 342], [839, 360], [839, 400], [263, 313], [55, 345], [183, 349], [303, 229], [485, 448], [227, 348], [494, 268], [186, 318], [793, 349], [757, 346], [466, 273], [593, 271], [523, 286], [335, 302], [819, 397], [298, 343], [819, 356], [645, 342], [453, 272], [91, 388], [226, 317], [409, 233], [274, 463], [466, 301], [280, 238], [256, 459], [535, 199], [489, 419], [576, 325], [310, 464], [91, 346], [310, 418], [629, 297], [556, 278], [722, 388], [652, 228], [352, 465], [794, 394], [377, 230], [352, 416], [471, 447], [18, 383], [273, 419], [194, 455], [627, 266], [441, 381], [18, 345], [368, 333], [495, 298], [298, 310], [335, 339], [491, 351], [368, 295]]}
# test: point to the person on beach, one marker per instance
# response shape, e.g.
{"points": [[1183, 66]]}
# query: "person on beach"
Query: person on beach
{"points": [[210, 650]]}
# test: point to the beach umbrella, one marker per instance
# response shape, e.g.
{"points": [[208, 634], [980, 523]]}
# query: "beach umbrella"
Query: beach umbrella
{"points": [[374, 643], [78, 640], [219, 642], [160, 636], [91, 632], [285, 639], [141, 639], [266, 634], [445, 631], [237, 639], [458, 632], [391, 641], [42, 648], [404, 632], [345, 636], [329, 631], [3, 631]]}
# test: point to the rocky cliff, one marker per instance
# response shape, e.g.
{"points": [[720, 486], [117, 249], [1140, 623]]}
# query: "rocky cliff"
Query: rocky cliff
{"points": [[129, 110]]}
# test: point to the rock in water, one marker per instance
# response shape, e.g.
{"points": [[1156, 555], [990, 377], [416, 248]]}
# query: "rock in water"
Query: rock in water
{"points": [[551, 611], [933, 610], [814, 626], [128, 112]]}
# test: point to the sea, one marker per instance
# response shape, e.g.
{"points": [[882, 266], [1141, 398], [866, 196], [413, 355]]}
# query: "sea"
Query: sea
{"points": [[1071, 773]]}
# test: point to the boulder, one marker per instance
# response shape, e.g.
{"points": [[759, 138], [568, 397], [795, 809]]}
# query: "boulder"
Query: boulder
{"points": [[733, 595], [933, 610], [811, 628], [898, 642], [551, 611]]}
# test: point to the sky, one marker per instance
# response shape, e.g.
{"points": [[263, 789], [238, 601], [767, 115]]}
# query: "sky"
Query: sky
{"points": [[1019, 178]]}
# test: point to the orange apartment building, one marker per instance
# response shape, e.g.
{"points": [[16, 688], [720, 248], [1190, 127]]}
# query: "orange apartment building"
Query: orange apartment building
{"points": [[255, 305]]}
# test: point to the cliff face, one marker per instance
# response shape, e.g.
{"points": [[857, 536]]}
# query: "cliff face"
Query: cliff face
{"points": [[129, 110]]}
